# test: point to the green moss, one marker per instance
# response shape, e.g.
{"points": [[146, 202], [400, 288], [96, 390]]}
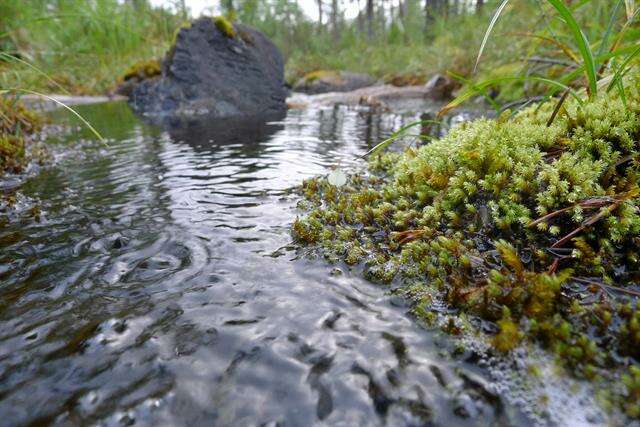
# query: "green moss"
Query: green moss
{"points": [[17, 123], [321, 74], [510, 214], [508, 337], [142, 70], [224, 26]]}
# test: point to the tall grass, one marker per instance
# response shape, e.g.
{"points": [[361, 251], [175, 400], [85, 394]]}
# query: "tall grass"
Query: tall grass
{"points": [[566, 34], [81, 45], [84, 45]]}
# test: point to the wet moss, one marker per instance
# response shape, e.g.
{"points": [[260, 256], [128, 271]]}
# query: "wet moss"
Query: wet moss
{"points": [[508, 336], [17, 124], [533, 227], [224, 26]]}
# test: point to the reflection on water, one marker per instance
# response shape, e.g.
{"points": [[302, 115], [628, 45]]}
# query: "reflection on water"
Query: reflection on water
{"points": [[159, 288]]}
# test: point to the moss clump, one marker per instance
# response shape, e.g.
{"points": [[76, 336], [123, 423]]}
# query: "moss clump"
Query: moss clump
{"points": [[142, 70], [17, 123], [401, 80], [320, 75], [509, 336], [224, 26], [510, 214]]}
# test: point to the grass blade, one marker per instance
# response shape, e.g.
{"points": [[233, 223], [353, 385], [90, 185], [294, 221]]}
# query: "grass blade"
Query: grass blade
{"points": [[468, 94], [63, 105], [494, 19], [631, 7], [482, 92], [397, 134], [607, 33], [33, 67], [562, 46], [622, 69], [583, 45]]}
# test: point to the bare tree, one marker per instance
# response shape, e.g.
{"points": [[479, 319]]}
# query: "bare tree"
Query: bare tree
{"points": [[229, 10], [183, 9], [334, 19], [319, 2], [360, 19], [370, 19], [429, 15]]}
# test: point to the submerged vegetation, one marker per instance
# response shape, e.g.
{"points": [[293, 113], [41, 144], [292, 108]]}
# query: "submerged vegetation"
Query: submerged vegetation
{"points": [[531, 225]]}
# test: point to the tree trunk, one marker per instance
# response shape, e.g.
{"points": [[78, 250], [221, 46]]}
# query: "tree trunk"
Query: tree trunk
{"points": [[360, 19], [229, 10], [334, 19], [429, 6], [319, 13], [183, 10], [479, 4], [370, 19]]}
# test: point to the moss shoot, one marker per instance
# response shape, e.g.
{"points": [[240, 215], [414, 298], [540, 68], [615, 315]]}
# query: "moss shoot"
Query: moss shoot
{"points": [[532, 226]]}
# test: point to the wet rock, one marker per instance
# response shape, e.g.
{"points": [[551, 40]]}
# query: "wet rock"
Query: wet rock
{"points": [[215, 72], [464, 406], [332, 81], [440, 87], [381, 97]]}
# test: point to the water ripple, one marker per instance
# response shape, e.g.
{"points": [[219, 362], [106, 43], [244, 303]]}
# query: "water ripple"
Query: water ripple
{"points": [[153, 290]]}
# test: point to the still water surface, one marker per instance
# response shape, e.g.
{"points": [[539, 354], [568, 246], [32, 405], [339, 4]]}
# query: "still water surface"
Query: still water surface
{"points": [[159, 288]]}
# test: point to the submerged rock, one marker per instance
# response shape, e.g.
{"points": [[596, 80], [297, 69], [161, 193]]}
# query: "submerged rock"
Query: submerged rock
{"points": [[332, 81], [218, 69]]}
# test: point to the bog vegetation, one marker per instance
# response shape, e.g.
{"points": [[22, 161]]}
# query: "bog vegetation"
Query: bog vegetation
{"points": [[530, 221]]}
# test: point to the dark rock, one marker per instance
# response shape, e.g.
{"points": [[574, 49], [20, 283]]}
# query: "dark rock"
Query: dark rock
{"points": [[440, 87], [332, 81], [216, 73]]}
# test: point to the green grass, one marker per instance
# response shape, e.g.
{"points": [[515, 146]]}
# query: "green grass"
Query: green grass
{"points": [[84, 46], [81, 46], [586, 62]]}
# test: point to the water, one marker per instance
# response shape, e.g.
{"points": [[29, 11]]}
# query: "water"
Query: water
{"points": [[159, 287]]}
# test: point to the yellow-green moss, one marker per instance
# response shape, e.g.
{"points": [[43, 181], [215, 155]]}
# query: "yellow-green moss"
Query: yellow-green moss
{"points": [[225, 26], [321, 74], [508, 336], [17, 123], [143, 70], [475, 216]]}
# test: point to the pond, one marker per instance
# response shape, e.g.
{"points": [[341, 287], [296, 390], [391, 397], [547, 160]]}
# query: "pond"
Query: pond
{"points": [[155, 282]]}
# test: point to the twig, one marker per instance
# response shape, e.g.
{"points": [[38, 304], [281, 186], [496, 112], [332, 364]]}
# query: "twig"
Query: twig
{"points": [[556, 110], [602, 285], [552, 61]]}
